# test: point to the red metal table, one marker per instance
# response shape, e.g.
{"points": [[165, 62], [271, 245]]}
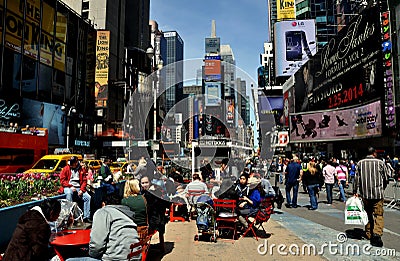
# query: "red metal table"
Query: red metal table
{"points": [[70, 238]]}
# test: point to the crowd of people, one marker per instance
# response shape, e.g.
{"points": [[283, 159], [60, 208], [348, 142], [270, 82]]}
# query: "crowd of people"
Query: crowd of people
{"points": [[369, 178], [141, 206]]}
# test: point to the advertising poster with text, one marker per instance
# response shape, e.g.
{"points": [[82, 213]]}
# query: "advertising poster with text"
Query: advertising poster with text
{"points": [[286, 9], [294, 44], [349, 69], [101, 72], [355, 123]]}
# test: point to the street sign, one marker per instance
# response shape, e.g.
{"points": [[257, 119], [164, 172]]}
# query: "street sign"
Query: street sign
{"points": [[143, 143]]}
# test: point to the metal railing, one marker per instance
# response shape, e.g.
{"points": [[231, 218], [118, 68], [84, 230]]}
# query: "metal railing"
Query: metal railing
{"points": [[392, 194]]}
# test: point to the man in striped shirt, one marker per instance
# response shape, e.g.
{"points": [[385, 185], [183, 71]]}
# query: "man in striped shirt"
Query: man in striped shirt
{"points": [[371, 180]]}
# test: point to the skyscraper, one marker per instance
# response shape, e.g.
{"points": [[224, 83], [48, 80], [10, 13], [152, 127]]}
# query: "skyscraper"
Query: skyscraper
{"points": [[174, 73], [229, 70]]}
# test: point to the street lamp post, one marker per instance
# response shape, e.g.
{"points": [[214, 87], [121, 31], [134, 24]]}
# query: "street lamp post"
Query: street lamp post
{"points": [[150, 54], [71, 110], [156, 64]]}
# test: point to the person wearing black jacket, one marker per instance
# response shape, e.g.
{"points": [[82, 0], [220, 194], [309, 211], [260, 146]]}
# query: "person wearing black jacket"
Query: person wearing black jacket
{"points": [[312, 178], [157, 203], [30, 240]]}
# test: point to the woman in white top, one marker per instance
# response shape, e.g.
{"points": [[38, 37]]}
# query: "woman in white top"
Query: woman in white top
{"points": [[342, 178]]}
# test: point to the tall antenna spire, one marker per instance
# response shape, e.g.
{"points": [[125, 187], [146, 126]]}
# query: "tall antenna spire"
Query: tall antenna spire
{"points": [[213, 29]]}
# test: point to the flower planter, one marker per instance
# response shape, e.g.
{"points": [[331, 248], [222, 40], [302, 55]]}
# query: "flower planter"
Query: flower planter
{"points": [[9, 218]]}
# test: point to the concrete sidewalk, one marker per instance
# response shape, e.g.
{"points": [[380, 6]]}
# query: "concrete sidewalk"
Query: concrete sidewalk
{"points": [[180, 245]]}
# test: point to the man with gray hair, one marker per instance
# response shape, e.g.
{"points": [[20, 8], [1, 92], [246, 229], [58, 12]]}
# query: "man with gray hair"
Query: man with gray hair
{"points": [[371, 180]]}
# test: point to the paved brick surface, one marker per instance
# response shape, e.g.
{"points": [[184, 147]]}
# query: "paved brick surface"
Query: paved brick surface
{"points": [[180, 245]]}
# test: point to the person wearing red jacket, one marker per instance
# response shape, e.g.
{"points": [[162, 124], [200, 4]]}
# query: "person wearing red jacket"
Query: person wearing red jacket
{"points": [[73, 179]]}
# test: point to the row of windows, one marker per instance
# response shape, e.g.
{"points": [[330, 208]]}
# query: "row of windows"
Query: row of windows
{"points": [[60, 42]]}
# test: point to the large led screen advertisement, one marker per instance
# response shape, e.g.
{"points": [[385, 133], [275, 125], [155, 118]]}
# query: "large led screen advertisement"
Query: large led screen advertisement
{"points": [[212, 93], [212, 68], [348, 71], [294, 45], [45, 115], [353, 123]]}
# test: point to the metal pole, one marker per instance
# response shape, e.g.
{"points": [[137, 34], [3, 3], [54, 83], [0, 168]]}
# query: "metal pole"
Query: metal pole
{"points": [[154, 123], [194, 144], [68, 131]]}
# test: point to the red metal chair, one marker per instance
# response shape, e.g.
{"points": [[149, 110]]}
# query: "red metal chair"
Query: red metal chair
{"points": [[142, 247], [226, 216], [262, 215], [172, 217]]}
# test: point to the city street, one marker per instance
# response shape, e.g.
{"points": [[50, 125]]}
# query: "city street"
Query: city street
{"points": [[293, 228]]}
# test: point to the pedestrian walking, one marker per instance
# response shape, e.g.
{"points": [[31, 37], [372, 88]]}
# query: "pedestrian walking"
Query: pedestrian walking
{"points": [[329, 173], [292, 173], [352, 171], [342, 179], [312, 178], [371, 180]]}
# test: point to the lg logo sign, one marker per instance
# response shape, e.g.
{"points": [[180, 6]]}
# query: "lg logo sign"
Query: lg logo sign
{"points": [[297, 23]]}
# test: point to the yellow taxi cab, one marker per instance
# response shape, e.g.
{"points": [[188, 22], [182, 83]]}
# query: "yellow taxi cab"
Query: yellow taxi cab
{"points": [[121, 166], [117, 166], [52, 163], [95, 164]]}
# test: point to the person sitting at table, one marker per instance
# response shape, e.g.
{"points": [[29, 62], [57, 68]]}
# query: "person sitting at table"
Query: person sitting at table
{"points": [[113, 231], [106, 177], [241, 188], [73, 179], [136, 202], [195, 189], [31, 236], [156, 206], [249, 204]]}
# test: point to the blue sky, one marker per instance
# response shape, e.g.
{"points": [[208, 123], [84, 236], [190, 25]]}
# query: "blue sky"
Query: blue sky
{"points": [[240, 23]]}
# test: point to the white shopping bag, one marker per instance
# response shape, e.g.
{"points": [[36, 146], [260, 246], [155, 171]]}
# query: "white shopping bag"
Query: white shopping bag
{"points": [[354, 214]]}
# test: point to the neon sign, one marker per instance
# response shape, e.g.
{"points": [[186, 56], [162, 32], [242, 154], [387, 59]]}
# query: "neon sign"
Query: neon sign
{"points": [[388, 71]]}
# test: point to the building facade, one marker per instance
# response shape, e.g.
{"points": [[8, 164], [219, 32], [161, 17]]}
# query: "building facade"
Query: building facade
{"points": [[47, 67], [174, 74]]}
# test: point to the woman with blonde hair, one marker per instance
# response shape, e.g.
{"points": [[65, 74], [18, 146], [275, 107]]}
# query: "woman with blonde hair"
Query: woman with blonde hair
{"points": [[312, 178], [135, 201]]}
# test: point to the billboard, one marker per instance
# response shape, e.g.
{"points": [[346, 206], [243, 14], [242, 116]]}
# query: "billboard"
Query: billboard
{"points": [[212, 68], [288, 100], [212, 93], [294, 44], [212, 45], [45, 115], [101, 72], [342, 124], [286, 9], [38, 33], [270, 106], [348, 71], [230, 110]]}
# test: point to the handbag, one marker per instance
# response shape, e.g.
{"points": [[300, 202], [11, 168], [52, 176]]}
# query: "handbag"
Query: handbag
{"points": [[354, 213]]}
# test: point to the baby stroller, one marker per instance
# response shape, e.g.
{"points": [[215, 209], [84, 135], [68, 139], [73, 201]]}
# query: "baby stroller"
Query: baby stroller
{"points": [[309, 129], [205, 219]]}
